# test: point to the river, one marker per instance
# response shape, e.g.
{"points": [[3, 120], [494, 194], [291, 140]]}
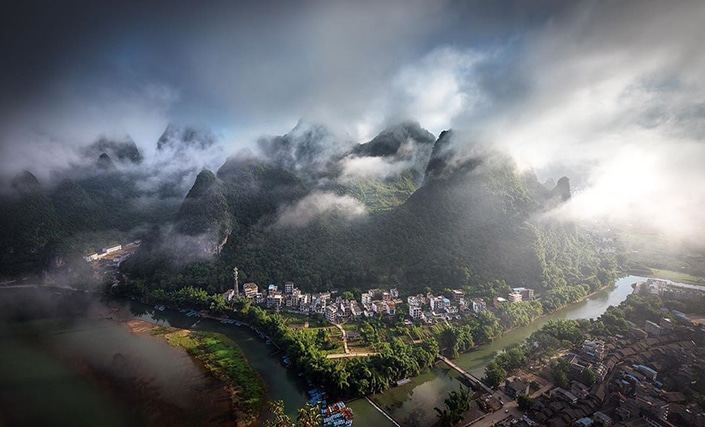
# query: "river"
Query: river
{"points": [[412, 404], [38, 359]]}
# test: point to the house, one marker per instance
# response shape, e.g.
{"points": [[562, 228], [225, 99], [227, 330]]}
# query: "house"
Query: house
{"points": [[563, 394], [653, 329], [594, 349], [646, 371], [457, 294], [515, 386], [332, 314], [112, 248], [379, 307], [92, 257], [274, 300], [583, 422], [366, 298], [478, 304], [394, 293], [514, 297], [602, 419], [355, 309], [259, 298], [250, 289], [526, 293], [499, 301], [438, 303], [288, 287], [415, 312], [579, 389]]}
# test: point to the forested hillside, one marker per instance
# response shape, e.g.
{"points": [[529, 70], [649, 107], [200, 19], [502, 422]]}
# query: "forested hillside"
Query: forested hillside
{"points": [[400, 210]]}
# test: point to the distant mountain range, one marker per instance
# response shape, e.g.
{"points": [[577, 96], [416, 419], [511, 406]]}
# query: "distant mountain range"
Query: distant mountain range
{"points": [[403, 209]]}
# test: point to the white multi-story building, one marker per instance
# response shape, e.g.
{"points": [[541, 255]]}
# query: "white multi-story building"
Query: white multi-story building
{"points": [[438, 303], [366, 298], [415, 312], [260, 298], [111, 249], [332, 314], [274, 300], [478, 304], [250, 290], [514, 297]]}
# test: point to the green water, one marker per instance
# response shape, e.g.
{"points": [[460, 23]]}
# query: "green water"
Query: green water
{"points": [[64, 363]]}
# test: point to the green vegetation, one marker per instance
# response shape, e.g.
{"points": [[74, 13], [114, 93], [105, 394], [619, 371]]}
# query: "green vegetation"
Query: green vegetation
{"points": [[456, 404], [308, 416], [382, 195], [652, 254], [343, 377], [494, 374], [447, 234], [676, 276], [524, 402], [225, 360]]}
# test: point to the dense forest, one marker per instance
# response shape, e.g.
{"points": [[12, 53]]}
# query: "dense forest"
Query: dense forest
{"points": [[434, 219]]}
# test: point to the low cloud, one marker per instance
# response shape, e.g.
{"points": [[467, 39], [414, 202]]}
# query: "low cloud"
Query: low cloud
{"points": [[612, 95], [319, 204]]}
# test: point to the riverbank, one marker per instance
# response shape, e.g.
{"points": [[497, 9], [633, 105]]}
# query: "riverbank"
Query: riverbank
{"points": [[71, 358], [224, 360]]}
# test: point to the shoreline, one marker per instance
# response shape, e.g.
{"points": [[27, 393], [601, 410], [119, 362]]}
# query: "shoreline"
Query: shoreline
{"points": [[182, 339]]}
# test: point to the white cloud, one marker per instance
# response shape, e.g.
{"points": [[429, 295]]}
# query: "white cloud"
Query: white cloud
{"points": [[617, 91], [318, 204]]}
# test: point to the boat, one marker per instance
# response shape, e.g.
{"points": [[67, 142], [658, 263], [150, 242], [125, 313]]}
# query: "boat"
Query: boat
{"points": [[337, 415], [403, 381]]}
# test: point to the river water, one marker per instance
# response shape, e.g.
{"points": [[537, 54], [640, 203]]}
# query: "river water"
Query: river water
{"points": [[37, 359], [412, 404]]}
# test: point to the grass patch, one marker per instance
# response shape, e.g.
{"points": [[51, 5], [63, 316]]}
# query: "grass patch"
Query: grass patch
{"points": [[677, 276], [224, 359]]}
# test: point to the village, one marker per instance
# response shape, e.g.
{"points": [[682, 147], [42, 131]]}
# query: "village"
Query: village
{"points": [[633, 375], [427, 308]]}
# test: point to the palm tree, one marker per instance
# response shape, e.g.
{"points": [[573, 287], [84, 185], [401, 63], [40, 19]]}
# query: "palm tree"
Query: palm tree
{"points": [[444, 417], [309, 416], [279, 418]]}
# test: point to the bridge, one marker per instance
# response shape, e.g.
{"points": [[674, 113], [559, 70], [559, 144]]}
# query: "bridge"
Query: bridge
{"points": [[474, 381]]}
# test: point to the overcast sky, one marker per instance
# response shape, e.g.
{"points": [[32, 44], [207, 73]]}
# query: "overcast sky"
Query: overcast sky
{"points": [[614, 90]]}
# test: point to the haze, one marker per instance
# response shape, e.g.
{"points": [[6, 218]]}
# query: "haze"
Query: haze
{"points": [[611, 94]]}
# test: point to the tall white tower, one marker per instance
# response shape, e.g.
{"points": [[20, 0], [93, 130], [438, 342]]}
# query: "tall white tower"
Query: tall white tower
{"points": [[237, 286]]}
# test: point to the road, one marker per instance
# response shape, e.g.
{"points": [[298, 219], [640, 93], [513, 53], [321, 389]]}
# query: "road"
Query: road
{"points": [[509, 409], [342, 355], [345, 337]]}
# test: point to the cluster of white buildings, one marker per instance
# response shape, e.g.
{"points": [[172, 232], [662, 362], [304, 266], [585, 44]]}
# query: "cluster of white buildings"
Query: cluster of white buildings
{"points": [[291, 298], [440, 306], [372, 302], [516, 295], [670, 290], [105, 252]]}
